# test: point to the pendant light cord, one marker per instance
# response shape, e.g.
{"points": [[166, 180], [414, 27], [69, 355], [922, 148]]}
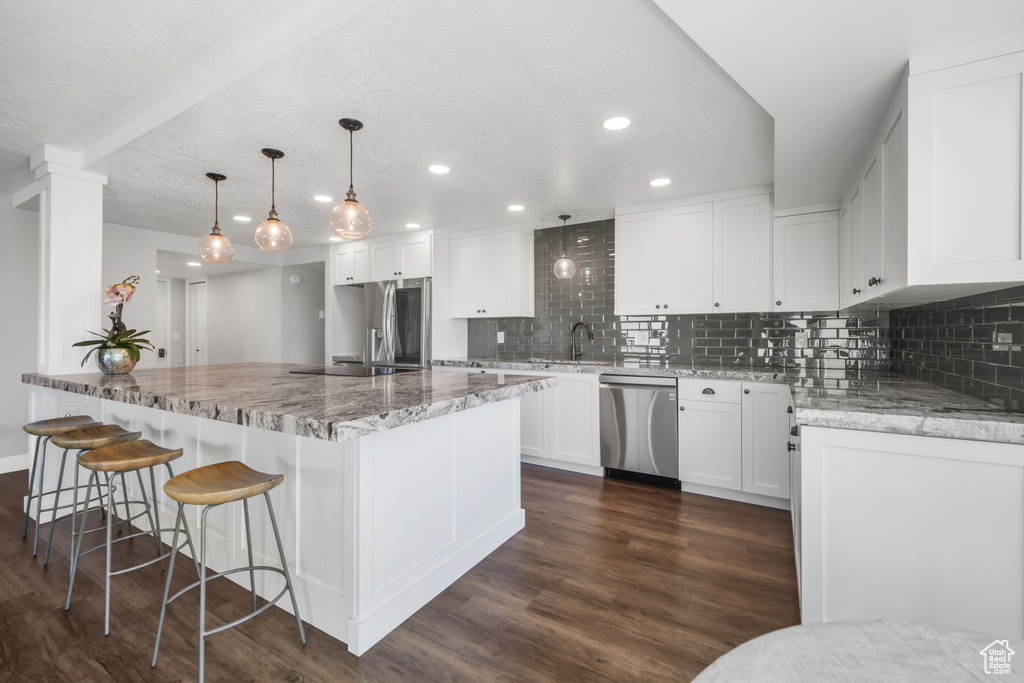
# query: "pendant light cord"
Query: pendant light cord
{"points": [[563, 237], [273, 184], [216, 203], [350, 161]]}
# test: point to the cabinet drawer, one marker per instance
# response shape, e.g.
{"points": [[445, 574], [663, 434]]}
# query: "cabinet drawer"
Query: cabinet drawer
{"points": [[716, 391]]}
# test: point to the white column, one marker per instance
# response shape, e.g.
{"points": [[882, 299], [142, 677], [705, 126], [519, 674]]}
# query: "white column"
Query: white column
{"points": [[70, 262]]}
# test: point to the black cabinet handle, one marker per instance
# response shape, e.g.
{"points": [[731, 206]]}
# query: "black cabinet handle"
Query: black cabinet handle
{"points": [[682, 407], [778, 303], [746, 391], [790, 446], [657, 305], [856, 291], [665, 306], [874, 281], [709, 391], [717, 305]]}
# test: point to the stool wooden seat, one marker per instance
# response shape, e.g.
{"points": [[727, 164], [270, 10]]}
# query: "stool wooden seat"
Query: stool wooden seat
{"points": [[220, 483], [127, 456], [112, 460], [94, 437], [59, 425], [43, 430], [211, 486]]}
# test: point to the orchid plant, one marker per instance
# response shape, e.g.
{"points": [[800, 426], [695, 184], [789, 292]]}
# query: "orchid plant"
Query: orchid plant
{"points": [[118, 336]]}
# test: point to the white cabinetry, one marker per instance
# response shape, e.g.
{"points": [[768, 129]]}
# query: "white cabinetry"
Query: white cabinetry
{"points": [[733, 440], [965, 188], [742, 255], [408, 257], [492, 275], [711, 257], [350, 264], [805, 262]]}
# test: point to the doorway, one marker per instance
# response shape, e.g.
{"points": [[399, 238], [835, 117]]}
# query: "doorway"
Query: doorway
{"points": [[196, 327]]}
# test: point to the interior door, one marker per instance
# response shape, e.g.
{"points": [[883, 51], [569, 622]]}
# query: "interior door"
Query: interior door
{"points": [[196, 333]]}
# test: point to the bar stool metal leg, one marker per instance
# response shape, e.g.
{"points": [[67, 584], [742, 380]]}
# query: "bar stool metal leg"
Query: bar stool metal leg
{"points": [[248, 547], [202, 593], [284, 566], [110, 529], [31, 484], [56, 504], [39, 505], [76, 553]]}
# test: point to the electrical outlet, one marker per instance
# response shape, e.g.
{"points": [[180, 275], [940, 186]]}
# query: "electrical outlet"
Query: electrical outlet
{"points": [[175, 336], [77, 409], [501, 337], [321, 315]]}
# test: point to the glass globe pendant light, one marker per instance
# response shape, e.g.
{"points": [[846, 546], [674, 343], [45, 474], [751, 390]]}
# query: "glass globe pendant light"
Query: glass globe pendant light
{"points": [[215, 247], [272, 234], [564, 267], [350, 219]]}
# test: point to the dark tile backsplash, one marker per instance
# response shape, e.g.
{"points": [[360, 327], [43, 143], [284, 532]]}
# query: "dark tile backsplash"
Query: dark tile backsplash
{"points": [[839, 341], [974, 345]]}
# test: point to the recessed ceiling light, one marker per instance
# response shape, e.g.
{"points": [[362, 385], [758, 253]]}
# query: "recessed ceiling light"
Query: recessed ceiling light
{"points": [[439, 168], [242, 219], [335, 239], [516, 207], [617, 123], [323, 198], [158, 272], [412, 225], [659, 182], [193, 263]]}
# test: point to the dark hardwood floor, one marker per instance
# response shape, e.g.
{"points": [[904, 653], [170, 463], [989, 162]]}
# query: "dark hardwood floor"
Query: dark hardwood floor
{"points": [[610, 581]]}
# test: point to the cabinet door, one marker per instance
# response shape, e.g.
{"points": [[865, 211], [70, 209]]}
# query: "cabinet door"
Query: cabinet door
{"points": [[360, 264], [466, 261], [497, 276], [533, 410], [805, 262], [684, 241], [874, 228], [710, 446], [965, 180], [765, 439], [415, 256], [858, 280], [636, 256], [384, 261], [742, 255], [342, 267], [574, 422], [894, 211]]}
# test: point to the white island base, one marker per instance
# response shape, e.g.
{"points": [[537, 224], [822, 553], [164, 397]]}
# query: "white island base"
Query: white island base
{"points": [[373, 527]]}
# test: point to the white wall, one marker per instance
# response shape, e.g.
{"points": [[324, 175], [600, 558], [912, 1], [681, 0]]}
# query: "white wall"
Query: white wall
{"points": [[19, 303], [244, 317], [302, 329]]}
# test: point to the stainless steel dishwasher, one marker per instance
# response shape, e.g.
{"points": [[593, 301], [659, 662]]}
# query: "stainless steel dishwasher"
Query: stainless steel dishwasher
{"points": [[639, 428]]}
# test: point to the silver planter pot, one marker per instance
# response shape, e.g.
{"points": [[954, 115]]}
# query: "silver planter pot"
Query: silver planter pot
{"points": [[114, 361]]}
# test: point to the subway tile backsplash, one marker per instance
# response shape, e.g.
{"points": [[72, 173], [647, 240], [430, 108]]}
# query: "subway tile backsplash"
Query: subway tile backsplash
{"points": [[974, 345], [828, 341]]}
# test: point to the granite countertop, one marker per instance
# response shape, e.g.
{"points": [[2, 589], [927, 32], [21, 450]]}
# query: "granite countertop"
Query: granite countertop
{"points": [[876, 401], [268, 396]]}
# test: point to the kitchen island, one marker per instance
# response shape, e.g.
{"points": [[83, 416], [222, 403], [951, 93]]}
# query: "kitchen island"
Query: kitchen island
{"points": [[395, 485]]}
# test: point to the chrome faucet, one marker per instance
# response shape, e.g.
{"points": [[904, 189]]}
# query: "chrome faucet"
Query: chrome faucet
{"points": [[576, 353]]}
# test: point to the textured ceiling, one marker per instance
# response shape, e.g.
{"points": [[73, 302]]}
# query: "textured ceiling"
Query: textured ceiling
{"points": [[510, 95]]}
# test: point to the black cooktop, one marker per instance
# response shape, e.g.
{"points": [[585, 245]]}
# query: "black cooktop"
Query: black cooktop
{"points": [[352, 371]]}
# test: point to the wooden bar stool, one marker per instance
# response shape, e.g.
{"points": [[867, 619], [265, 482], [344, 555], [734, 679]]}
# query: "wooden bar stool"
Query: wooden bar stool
{"points": [[211, 486], [83, 439], [44, 430], [118, 458]]}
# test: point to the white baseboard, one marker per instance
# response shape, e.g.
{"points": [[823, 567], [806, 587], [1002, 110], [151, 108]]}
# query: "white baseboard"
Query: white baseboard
{"points": [[13, 463], [563, 465], [739, 496]]}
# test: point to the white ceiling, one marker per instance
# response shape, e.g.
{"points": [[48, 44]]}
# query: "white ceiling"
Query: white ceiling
{"points": [[825, 69], [510, 95]]}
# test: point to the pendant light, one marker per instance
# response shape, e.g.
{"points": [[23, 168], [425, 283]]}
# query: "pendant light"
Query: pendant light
{"points": [[564, 267], [272, 234], [350, 219], [215, 247]]}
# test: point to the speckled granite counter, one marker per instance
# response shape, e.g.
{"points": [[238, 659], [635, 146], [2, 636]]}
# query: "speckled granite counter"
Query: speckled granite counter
{"points": [[268, 396], [869, 401]]}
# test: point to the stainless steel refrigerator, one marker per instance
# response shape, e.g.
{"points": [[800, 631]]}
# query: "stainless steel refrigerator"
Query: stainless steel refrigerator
{"points": [[397, 315]]}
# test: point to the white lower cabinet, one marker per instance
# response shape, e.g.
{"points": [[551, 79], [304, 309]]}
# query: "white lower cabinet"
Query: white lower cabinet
{"points": [[733, 440]]}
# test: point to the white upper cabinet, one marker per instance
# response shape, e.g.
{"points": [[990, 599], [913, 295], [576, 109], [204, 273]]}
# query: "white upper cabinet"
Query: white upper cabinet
{"points": [[742, 255], [965, 188], [350, 264], [805, 260], [403, 258], [492, 275], [712, 257]]}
